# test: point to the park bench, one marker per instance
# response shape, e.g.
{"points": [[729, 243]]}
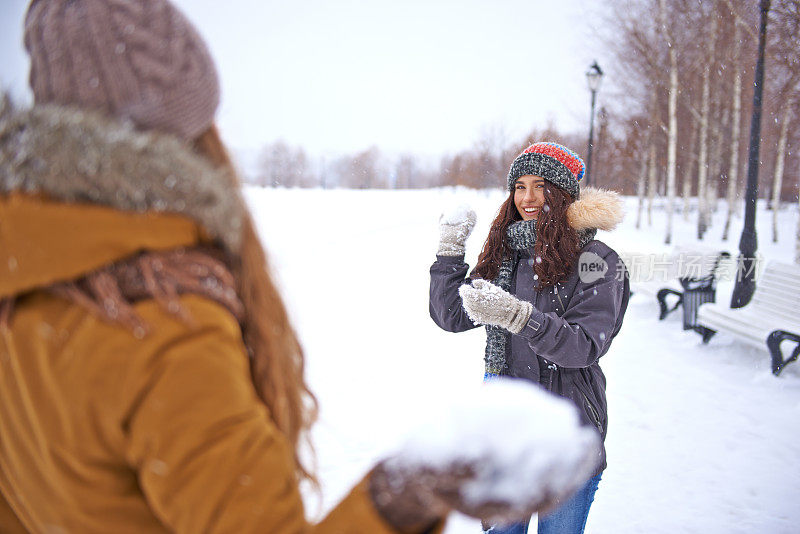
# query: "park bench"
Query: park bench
{"points": [[770, 318], [687, 277]]}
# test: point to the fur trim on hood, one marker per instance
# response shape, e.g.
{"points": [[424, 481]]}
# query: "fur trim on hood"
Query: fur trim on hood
{"points": [[596, 208], [75, 155]]}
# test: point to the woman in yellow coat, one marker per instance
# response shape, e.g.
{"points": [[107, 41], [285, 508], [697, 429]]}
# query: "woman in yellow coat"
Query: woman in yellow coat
{"points": [[150, 380]]}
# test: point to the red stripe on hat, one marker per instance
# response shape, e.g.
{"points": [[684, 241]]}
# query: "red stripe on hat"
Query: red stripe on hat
{"points": [[561, 153]]}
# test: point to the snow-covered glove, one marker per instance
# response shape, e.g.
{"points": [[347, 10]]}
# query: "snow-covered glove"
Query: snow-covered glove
{"points": [[500, 453], [454, 229], [486, 303]]}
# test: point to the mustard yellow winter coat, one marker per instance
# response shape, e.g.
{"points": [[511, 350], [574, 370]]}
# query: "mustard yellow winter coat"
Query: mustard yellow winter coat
{"points": [[104, 432], [101, 431]]}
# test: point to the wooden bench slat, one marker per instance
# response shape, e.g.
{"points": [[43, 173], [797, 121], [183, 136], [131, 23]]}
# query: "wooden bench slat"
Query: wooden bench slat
{"points": [[778, 278], [722, 314], [772, 290], [775, 306], [747, 321]]}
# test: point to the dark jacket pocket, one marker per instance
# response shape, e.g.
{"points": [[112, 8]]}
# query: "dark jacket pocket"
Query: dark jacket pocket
{"points": [[592, 413]]}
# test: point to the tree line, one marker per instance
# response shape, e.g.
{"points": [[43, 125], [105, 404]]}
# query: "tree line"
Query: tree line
{"points": [[483, 165], [674, 128], [682, 114]]}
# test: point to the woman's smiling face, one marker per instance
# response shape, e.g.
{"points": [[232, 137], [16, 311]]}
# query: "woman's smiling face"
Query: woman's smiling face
{"points": [[529, 196]]}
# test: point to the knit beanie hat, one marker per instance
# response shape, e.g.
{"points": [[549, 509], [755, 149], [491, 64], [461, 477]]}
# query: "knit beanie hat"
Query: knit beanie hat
{"points": [[555, 163], [140, 60]]}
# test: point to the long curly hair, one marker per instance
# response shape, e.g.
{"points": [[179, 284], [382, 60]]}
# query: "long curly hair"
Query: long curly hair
{"points": [[277, 362], [276, 357], [556, 246]]}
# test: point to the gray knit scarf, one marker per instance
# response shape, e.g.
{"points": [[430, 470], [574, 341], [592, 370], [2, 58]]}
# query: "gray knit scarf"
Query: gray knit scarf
{"points": [[520, 236]]}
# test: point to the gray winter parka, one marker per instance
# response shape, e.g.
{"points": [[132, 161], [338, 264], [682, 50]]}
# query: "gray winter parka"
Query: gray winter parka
{"points": [[571, 326]]}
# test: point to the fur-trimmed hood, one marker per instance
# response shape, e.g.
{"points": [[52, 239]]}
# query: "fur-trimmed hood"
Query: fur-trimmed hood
{"points": [[79, 191], [596, 209], [74, 155]]}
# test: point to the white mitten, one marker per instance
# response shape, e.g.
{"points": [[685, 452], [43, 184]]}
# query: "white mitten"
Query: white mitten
{"points": [[454, 229], [486, 303]]}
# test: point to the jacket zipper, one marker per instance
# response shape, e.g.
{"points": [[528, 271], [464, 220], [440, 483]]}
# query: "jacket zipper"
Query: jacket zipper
{"points": [[593, 413], [552, 368], [558, 295]]}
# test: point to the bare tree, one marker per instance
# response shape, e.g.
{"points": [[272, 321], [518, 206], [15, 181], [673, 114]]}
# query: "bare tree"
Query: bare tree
{"points": [[797, 232], [651, 183], [705, 110], [686, 190], [453, 170], [282, 165], [786, 89], [641, 183], [407, 172], [716, 164], [364, 170], [490, 150], [273, 162], [672, 132], [777, 180], [733, 166]]}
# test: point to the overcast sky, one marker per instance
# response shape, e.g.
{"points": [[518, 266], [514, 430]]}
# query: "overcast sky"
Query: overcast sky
{"points": [[420, 76]]}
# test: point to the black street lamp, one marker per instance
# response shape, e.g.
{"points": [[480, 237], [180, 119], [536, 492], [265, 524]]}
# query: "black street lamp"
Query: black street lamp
{"points": [[593, 78], [745, 277]]}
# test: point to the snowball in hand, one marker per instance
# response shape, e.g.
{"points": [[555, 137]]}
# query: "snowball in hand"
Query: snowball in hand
{"points": [[455, 226], [525, 444], [459, 215]]}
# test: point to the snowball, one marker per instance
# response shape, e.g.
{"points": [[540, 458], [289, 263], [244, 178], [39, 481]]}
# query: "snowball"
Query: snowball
{"points": [[458, 215], [524, 442]]}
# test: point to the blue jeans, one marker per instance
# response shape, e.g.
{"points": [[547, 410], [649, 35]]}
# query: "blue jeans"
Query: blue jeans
{"points": [[569, 518]]}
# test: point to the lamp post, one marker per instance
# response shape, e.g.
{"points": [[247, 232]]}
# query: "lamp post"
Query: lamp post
{"points": [[745, 277], [593, 78]]}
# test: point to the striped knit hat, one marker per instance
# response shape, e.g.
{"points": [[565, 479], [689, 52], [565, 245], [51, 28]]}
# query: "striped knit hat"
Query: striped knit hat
{"points": [[555, 163]]}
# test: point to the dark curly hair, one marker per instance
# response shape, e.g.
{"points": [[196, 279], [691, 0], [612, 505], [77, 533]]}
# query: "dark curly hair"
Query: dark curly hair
{"points": [[556, 241]]}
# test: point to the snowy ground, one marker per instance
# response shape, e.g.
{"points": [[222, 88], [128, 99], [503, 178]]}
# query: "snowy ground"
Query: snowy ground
{"points": [[702, 438]]}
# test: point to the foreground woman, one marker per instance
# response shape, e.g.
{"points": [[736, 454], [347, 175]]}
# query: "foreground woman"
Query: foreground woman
{"points": [[150, 380], [551, 296]]}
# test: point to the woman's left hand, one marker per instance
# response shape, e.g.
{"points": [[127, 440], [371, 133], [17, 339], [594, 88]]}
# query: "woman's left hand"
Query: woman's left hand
{"points": [[486, 303]]}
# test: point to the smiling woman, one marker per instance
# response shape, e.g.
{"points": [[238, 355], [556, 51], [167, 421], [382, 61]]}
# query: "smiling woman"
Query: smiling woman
{"points": [[529, 196], [545, 322]]}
